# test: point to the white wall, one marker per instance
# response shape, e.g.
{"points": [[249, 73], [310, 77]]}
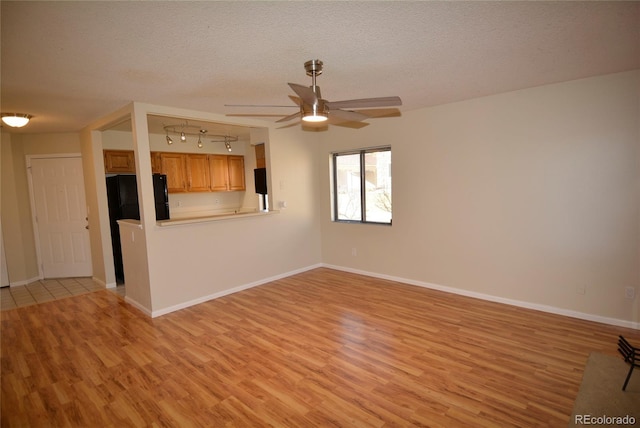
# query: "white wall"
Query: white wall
{"points": [[193, 262], [528, 196]]}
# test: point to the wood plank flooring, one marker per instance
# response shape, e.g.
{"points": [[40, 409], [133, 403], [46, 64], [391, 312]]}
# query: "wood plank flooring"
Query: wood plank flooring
{"points": [[322, 348]]}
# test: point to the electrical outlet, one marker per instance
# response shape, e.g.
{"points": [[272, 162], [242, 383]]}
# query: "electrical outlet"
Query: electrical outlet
{"points": [[354, 251], [216, 201], [581, 289], [629, 293]]}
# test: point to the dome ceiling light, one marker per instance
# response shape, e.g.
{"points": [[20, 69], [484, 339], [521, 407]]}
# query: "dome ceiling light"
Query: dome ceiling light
{"points": [[16, 120]]}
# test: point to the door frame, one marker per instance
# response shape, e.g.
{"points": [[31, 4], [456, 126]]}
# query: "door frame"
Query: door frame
{"points": [[32, 200]]}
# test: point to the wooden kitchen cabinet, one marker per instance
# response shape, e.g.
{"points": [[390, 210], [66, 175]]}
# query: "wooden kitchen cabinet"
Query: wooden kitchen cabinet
{"points": [[227, 173], [117, 161], [198, 173], [174, 165], [219, 172], [260, 156], [156, 163], [186, 172], [236, 172]]}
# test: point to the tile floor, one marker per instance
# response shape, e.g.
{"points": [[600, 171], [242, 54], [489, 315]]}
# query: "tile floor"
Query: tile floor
{"points": [[47, 290]]}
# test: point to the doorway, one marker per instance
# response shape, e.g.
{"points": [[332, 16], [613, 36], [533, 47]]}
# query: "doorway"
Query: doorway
{"points": [[59, 210]]}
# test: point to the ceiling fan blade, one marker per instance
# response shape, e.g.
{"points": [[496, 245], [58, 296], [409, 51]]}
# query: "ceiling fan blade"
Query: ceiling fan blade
{"points": [[366, 103], [351, 116], [296, 100], [288, 118], [353, 125], [253, 115], [254, 105], [304, 92], [381, 112]]}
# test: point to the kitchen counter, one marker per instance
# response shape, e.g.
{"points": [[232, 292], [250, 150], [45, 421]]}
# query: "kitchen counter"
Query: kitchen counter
{"points": [[214, 217]]}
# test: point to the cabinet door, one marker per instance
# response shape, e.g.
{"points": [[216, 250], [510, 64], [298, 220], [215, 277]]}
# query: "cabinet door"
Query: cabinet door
{"points": [[260, 156], [156, 163], [219, 172], [198, 173], [174, 166], [119, 161], [236, 172]]}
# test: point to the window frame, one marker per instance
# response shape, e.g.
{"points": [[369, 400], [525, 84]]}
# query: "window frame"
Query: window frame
{"points": [[363, 202]]}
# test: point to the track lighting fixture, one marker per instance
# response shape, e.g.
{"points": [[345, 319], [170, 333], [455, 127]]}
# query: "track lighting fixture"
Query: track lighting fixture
{"points": [[202, 132], [183, 130], [16, 120]]}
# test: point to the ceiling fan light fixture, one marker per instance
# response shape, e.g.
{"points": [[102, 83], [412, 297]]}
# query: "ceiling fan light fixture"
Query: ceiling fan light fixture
{"points": [[315, 113], [16, 120], [315, 118]]}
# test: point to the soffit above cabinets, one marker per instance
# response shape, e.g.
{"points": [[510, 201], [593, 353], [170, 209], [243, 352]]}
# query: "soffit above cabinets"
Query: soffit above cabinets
{"points": [[157, 123]]}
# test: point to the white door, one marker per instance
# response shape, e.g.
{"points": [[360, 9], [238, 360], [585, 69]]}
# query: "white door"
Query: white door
{"points": [[61, 217]]}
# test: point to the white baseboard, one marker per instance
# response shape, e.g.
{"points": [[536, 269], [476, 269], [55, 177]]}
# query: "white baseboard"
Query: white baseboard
{"points": [[137, 305], [25, 282], [219, 294], [104, 284], [497, 299]]}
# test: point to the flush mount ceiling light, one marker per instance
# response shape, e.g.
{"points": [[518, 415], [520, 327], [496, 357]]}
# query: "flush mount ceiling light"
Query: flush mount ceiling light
{"points": [[16, 120]]}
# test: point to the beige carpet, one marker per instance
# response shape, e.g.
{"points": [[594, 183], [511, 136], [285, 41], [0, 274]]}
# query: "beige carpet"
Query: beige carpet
{"points": [[601, 399]]}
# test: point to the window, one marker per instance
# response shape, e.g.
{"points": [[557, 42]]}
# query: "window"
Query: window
{"points": [[362, 186]]}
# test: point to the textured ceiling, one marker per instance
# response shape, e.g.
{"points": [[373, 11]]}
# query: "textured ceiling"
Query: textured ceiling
{"points": [[69, 63]]}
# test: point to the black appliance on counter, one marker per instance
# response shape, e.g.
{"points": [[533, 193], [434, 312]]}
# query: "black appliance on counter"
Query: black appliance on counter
{"points": [[122, 195], [260, 178]]}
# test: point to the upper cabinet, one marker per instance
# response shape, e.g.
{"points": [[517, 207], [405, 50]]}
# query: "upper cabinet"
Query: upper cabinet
{"points": [[186, 172], [156, 163], [174, 165], [236, 172], [260, 156], [227, 173], [117, 161], [198, 173]]}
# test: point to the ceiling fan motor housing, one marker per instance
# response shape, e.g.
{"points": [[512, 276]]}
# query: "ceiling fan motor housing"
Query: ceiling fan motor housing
{"points": [[313, 67]]}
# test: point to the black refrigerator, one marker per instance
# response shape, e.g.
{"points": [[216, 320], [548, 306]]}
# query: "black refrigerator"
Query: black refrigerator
{"points": [[122, 195]]}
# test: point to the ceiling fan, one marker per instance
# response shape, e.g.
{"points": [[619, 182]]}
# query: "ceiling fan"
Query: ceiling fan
{"points": [[313, 109]]}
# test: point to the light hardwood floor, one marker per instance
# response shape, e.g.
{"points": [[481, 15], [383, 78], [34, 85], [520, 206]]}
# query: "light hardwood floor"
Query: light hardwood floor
{"points": [[322, 348]]}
